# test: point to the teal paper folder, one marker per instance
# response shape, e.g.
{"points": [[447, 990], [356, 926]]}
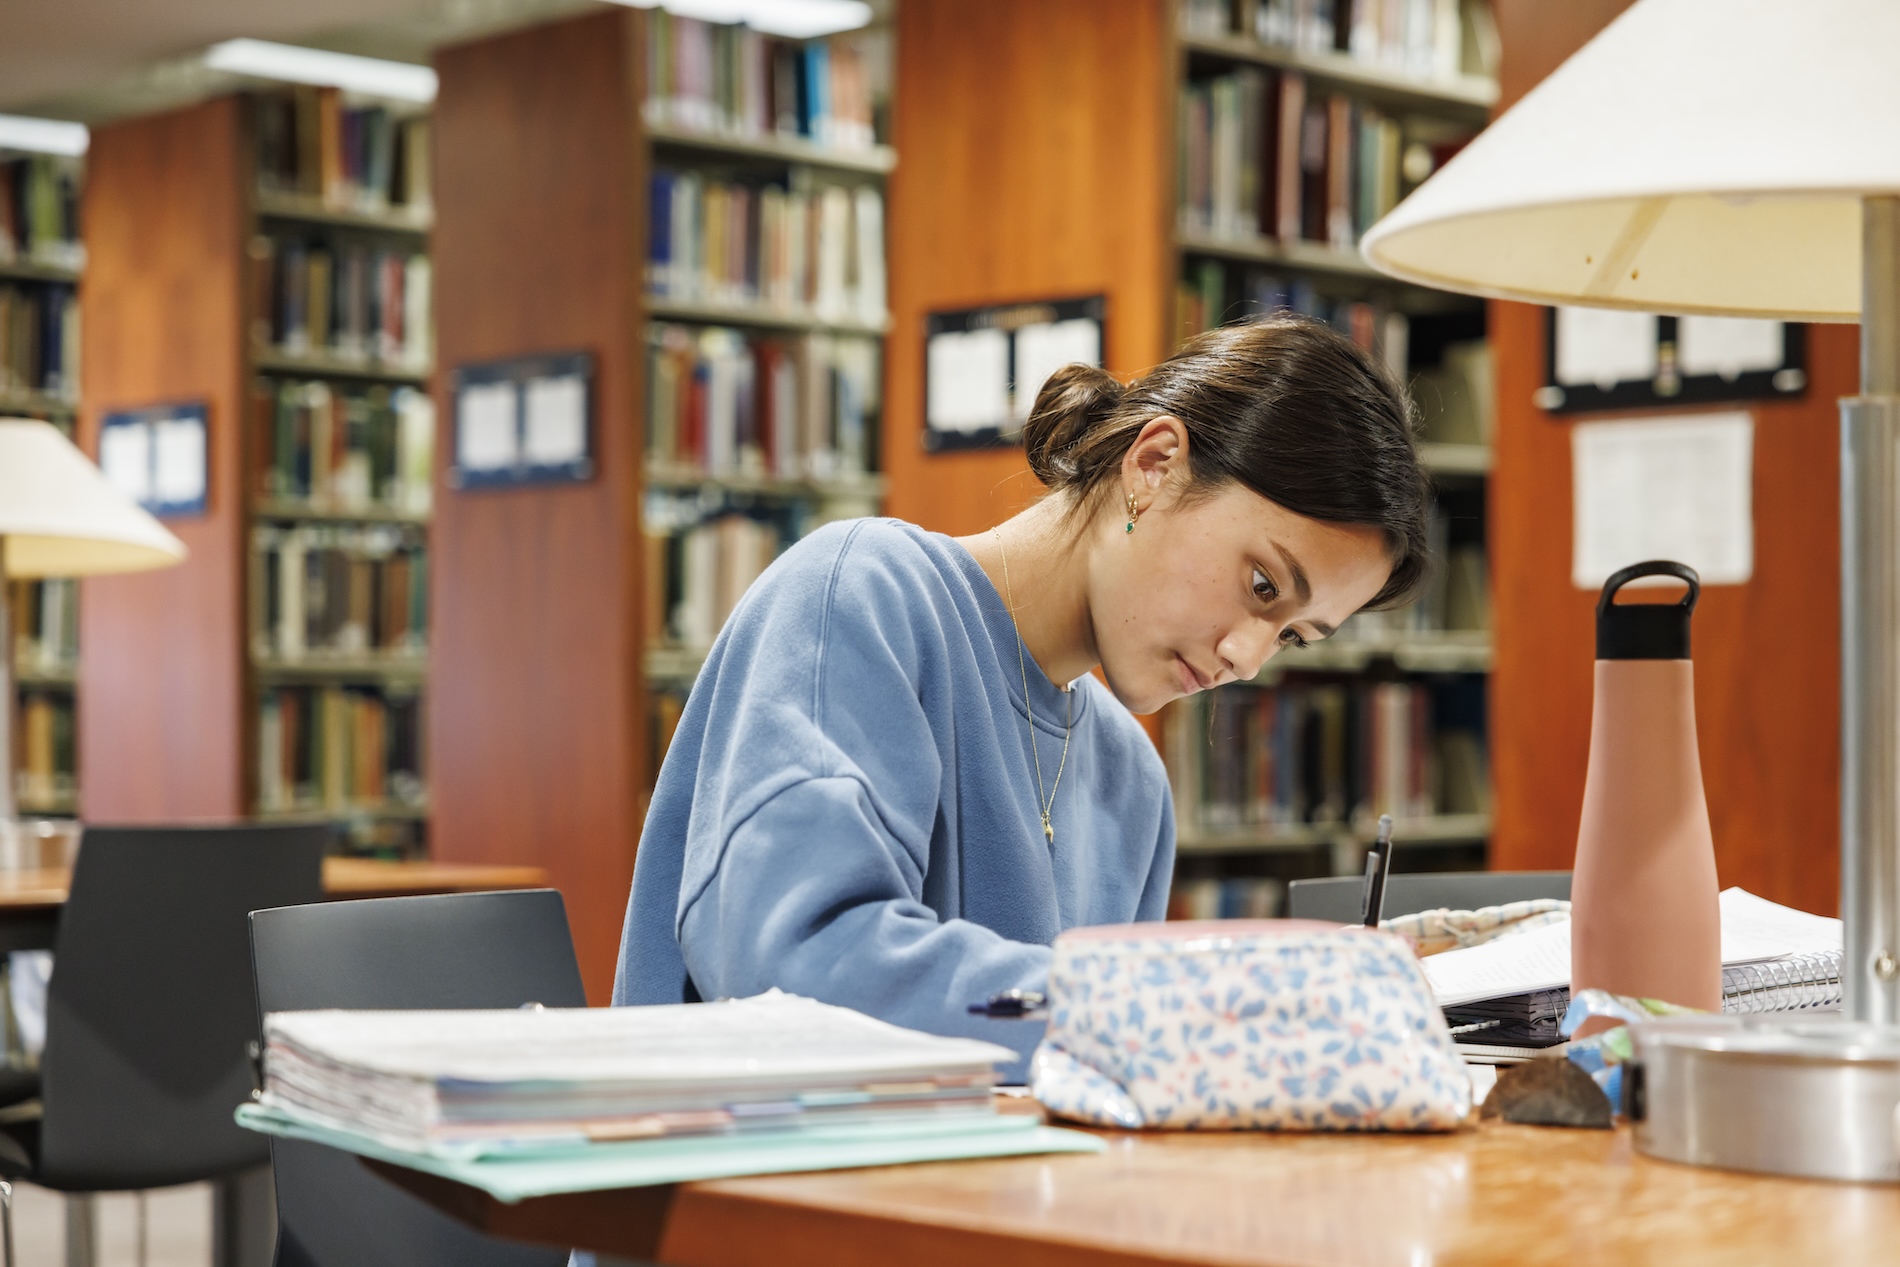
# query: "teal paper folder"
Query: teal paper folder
{"points": [[639, 1163]]}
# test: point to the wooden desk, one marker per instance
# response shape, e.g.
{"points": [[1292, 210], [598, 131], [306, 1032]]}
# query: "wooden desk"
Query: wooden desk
{"points": [[1498, 1196], [30, 899]]}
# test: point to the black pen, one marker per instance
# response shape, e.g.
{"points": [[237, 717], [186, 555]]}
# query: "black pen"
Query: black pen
{"points": [[1378, 862]]}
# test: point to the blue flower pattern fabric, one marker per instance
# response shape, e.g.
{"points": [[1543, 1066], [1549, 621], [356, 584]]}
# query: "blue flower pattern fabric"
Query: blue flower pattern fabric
{"points": [[1265, 1025]]}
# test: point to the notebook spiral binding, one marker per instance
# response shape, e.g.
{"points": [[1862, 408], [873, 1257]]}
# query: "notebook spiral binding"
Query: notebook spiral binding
{"points": [[1796, 983]]}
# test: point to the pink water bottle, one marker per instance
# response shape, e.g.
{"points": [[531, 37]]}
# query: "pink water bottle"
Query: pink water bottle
{"points": [[1645, 915]]}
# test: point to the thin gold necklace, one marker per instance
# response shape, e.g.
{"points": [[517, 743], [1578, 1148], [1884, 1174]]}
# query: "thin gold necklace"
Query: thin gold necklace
{"points": [[1046, 804]]}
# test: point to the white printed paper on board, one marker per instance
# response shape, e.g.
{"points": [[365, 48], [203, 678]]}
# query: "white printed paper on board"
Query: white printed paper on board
{"points": [[1664, 488], [1601, 347]]}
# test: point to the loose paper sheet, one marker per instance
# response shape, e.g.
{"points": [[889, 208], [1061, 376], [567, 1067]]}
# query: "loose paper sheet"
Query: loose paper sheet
{"points": [[1601, 347], [556, 421], [125, 459], [1727, 346], [1043, 349], [1753, 929], [968, 373], [1664, 488], [486, 437], [178, 467]]}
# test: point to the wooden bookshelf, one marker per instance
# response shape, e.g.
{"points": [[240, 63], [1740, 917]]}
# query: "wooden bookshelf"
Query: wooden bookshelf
{"points": [[173, 212], [1468, 98], [540, 729], [36, 271], [1073, 190]]}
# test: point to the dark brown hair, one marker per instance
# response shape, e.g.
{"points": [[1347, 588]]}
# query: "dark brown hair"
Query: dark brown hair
{"points": [[1284, 405]]}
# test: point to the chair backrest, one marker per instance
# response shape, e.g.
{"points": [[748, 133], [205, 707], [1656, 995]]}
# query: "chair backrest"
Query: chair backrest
{"points": [[473, 950], [150, 1013], [1339, 898]]}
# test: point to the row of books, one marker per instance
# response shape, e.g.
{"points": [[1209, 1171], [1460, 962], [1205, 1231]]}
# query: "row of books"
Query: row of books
{"points": [[45, 775], [710, 77], [39, 211], [45, 622], [789, 407], [336, 590], [343, 297], [1240, 897], [39, 339], [1211, 294], [1423, 39], [696, 576], [813, 249], [1456, 599], [338, 748], [1260, 154], [357, 157], [1317, 752], [344, 448]]}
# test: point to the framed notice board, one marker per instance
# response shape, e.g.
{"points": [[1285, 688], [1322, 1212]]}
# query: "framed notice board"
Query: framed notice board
{"points": [[159, 456], [523, 421], [1601, 359], [984, 366]]}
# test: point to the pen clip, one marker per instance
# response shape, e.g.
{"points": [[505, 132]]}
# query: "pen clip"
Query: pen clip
{"points": [[1013, 1005], [1378, 863]]}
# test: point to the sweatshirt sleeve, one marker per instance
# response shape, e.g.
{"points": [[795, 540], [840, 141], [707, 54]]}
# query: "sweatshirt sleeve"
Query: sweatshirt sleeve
{"points": [[817, 794]]}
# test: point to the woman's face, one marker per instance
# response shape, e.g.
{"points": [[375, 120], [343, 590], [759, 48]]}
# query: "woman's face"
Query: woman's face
{"points": [[1206, 590]]}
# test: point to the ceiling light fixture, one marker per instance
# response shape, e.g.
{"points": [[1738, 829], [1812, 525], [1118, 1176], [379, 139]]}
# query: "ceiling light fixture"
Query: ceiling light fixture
{"points": [[372, 76], [42, 136], [794, 19]]}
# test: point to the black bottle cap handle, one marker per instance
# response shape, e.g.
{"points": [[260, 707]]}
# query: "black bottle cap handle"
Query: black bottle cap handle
{"points": [[1646, 631]]}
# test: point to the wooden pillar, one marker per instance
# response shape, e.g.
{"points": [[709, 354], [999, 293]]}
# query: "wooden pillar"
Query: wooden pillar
{"points": [[1767, 653], [162, 719], [1035, 161], [536, 724]]}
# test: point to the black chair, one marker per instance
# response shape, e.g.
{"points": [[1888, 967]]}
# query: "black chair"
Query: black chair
{"points": [[1338, 899], [476, 950], [150, 1011]]}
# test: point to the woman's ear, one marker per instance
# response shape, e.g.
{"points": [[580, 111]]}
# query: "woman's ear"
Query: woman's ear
{"points": [[1156, 466]]}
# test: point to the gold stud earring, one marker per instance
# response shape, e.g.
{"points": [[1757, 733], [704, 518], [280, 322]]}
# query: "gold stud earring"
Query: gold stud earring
{"points": [[1134, 513]]}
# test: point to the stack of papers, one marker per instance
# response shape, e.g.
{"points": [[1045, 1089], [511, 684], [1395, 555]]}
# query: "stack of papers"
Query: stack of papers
{"points": [[1754, 931], [499, 1083]]}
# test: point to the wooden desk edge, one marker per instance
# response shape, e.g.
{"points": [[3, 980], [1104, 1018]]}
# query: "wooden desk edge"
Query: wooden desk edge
{"points": [[631, 1222]]}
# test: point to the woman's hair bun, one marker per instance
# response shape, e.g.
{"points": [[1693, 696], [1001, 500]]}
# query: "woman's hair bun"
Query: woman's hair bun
{"points": [[1074, 399]]}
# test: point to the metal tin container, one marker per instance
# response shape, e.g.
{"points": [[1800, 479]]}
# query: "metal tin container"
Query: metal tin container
{"points": [[1814, 1097]]}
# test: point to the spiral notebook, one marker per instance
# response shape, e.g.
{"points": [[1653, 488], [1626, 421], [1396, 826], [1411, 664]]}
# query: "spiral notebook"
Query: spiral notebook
{"points": [[1506, 998]]}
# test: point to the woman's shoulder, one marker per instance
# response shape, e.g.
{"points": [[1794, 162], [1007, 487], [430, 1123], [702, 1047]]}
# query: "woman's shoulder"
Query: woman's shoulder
{"points": [[875, 560]]}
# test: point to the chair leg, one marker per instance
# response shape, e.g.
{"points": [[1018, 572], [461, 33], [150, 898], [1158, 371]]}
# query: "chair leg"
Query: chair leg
{"points": [[82, 1230], [6, 1220], [144, 1242]]}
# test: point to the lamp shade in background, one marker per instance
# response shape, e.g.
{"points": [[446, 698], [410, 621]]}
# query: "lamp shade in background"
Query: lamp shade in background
{"points": [[1697, 156], [59, 517]]}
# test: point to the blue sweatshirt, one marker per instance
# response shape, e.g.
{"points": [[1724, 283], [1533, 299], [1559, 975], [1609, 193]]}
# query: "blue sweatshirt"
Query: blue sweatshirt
{"points": [[848, 808]]}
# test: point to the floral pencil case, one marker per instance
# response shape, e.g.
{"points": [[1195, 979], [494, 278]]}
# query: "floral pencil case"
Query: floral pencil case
{"points": [[1238, 1025]]}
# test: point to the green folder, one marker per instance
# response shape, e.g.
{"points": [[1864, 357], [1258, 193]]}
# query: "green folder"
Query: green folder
{"points": [[639, 1163]]}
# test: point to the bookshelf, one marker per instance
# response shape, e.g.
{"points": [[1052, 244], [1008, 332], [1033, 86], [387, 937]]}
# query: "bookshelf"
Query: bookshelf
{"points": [[569, 626], [40, 264], [1092, 201], [281, 237]]}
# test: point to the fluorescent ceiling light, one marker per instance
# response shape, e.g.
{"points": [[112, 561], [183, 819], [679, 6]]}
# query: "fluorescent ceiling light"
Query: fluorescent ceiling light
{"points": [[794, 19], [42, 136], [371, 75]]}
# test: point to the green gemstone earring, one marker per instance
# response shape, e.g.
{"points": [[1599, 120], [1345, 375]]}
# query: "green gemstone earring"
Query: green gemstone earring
{"points": [[1134, 512]]}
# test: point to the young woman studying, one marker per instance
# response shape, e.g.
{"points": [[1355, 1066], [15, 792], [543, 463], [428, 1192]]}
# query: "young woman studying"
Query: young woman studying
{"points": [[896, 779]]}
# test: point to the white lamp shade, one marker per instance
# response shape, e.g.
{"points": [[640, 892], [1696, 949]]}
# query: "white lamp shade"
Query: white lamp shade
{"points": [[1697, 156], [59, 517]]}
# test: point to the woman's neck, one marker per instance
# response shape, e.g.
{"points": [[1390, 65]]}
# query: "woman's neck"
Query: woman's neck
{"points": [[1039, 567]]}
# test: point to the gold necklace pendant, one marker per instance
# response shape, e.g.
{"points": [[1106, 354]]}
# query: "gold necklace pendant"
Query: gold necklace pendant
{"points": [[1046, 804]]}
